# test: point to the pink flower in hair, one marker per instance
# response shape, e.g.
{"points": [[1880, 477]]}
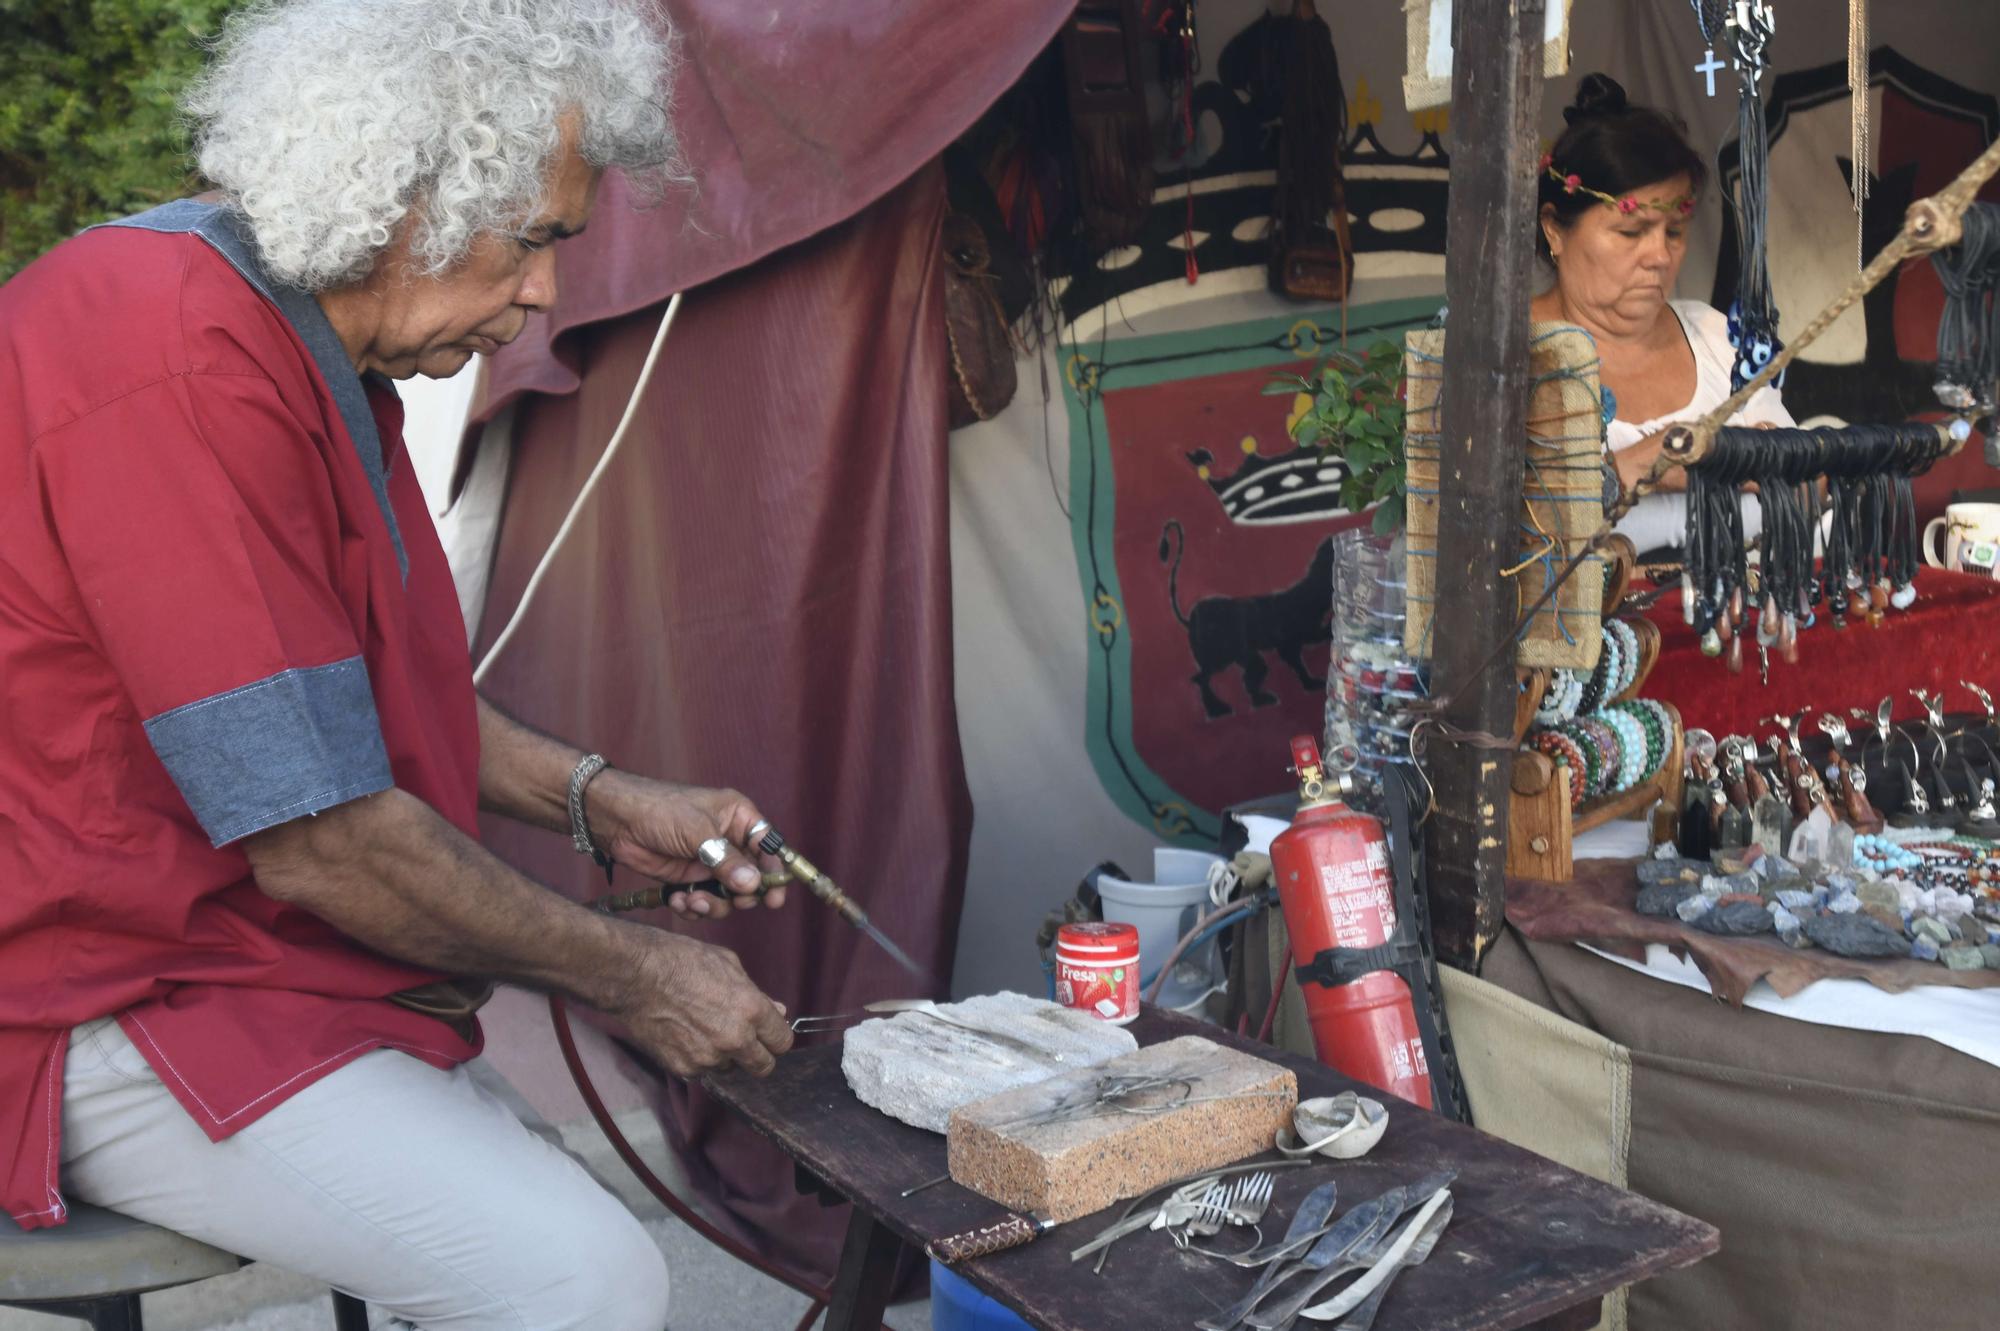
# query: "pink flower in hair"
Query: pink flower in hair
{"points": [[1548, 160], [1628, 204], [1571, 183], [1686, 204]]}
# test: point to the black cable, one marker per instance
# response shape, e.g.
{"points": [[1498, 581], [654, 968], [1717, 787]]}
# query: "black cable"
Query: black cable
{"points": [[1968, 341]]}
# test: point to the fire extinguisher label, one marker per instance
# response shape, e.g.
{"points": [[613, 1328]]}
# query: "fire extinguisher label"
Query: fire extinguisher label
{"points": [[1407, 1060], [1360, 897]]}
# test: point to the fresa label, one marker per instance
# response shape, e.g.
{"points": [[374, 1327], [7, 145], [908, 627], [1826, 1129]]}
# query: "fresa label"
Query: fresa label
{"points": [[1111, 992]]}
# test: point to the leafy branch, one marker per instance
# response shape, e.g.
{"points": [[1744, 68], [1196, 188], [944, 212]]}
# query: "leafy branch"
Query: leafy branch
{"points": [[1356, 415]]}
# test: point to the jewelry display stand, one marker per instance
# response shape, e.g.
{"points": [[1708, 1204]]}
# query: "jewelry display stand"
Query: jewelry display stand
{"points": [[1541, 824]]}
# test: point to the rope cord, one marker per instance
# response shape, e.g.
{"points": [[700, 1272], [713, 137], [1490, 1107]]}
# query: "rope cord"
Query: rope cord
{"points": [[534, 582]]}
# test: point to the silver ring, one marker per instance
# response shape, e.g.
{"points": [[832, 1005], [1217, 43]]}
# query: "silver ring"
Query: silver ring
{"points": [[713, 852]]}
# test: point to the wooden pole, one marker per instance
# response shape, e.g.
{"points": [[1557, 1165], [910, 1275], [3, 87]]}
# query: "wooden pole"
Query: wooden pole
{"points": [[1496, 87]]}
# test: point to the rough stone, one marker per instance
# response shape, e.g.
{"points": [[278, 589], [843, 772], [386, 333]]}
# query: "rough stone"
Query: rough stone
{"points": [[1694, 907], [1735, 917], [1856, 936], [1990, 953], [1927, 926], [1961, 957], [1890, 919], [1662, 898], [1728, 863], [1880, 895], [1923, 949], [918, 1068], [1731, 884], [1654, 873], [1042, 1148]]}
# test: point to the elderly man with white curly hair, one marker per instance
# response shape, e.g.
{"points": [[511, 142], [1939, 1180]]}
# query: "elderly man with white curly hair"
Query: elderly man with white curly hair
{"points": [[243, 760]]}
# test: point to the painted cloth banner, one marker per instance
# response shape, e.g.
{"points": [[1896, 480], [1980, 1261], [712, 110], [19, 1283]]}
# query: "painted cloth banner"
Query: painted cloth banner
{"points": [[1204, 543]]}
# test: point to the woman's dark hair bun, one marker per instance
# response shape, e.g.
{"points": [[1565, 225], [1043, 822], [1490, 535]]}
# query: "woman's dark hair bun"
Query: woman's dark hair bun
{"points": [[1597, 95]]}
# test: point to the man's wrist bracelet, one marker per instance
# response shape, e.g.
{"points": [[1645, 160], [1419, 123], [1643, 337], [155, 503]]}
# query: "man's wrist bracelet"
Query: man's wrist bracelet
{"points": [[579, 824]]}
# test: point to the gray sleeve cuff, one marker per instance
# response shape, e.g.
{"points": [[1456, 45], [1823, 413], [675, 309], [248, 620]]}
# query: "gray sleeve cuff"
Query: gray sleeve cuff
{"points": [[288, 745]]}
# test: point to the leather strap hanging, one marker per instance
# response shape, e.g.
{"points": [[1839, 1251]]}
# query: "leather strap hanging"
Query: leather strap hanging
{"points": [[1105, 84]]}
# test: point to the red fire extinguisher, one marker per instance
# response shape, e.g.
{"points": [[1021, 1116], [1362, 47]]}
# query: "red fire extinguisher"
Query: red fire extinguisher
{"points": [[1332, 869]]}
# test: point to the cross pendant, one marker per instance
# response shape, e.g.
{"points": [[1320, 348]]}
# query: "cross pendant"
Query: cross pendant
{"points": [[1708, 68]]}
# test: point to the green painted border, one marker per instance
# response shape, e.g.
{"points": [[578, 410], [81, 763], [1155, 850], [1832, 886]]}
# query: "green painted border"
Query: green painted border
{"points": [[1167, 357]]}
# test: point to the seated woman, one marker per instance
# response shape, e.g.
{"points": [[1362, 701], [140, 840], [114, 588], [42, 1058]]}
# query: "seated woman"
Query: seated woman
{"points": [[1617, 193]]}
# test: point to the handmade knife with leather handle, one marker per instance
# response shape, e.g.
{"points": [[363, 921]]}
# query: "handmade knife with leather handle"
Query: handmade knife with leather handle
{"points": [[1010, 1232]]}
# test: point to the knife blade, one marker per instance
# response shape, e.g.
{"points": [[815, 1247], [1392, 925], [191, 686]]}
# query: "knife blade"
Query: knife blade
{"points": [[1358, 1228]]}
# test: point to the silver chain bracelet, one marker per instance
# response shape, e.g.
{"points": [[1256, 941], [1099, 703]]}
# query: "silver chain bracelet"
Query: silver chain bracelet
{"points": [[579, 825]]}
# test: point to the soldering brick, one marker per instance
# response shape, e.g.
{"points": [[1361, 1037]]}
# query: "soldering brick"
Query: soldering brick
{"points": [[1225, 1107]]}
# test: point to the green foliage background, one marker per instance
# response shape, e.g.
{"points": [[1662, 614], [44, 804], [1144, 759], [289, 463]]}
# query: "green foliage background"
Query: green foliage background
{"points": [[89, 122]]}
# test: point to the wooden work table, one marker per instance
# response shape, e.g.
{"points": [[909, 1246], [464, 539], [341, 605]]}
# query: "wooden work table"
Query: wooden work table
{"points": [[1531, 1244]]}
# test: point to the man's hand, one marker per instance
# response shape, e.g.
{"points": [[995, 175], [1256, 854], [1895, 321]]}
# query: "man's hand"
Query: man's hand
{"points": [[694, 1010], [656, 828], [389, 872]]}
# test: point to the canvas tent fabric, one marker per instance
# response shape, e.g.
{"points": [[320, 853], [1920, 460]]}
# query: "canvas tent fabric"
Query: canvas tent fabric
{"points": [[1849, 1171], [792, 118], [760, 599]]}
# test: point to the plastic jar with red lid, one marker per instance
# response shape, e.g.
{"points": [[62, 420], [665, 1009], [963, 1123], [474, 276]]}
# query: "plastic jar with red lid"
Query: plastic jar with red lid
{"points": [[1097, 969]]}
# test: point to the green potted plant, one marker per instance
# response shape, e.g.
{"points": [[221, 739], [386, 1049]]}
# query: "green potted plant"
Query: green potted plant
{"points": [[1354, 411]]}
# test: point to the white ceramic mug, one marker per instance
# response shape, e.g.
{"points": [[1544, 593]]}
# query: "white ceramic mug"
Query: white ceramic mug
{"points": [[1971, 539]]}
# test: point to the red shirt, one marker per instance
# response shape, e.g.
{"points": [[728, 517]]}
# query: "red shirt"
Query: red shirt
{"points": [[206, 628]]}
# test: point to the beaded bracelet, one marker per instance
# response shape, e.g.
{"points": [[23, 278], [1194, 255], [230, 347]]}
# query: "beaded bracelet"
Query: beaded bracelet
{"points": [[1563, 750], [1628, 648], [1653, 728], [1593, 756], [1611, 754], [1632, 747], [1607, 671], [1549, 710]]}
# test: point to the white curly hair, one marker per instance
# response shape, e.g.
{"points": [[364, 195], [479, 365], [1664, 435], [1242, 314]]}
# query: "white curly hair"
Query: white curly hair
{"points": [[326, 122]]}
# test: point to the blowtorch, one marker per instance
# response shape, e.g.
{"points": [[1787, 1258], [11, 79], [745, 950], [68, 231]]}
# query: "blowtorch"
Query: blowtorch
{"points": [[713, 851]]}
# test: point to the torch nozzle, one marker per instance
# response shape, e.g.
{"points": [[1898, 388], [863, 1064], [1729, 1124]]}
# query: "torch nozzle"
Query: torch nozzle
{"points": [[824, 888]]}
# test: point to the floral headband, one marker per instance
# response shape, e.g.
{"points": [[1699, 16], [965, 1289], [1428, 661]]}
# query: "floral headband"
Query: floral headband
{"points": [[1679, 207]]}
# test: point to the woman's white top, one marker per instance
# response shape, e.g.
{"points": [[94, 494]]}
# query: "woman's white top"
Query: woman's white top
{"points": [[1661, 519]]}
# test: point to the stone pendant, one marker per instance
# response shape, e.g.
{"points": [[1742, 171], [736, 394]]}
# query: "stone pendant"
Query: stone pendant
{"points": [[1810, 839], [1697, 829], [1771, 824], [1734, 833]]}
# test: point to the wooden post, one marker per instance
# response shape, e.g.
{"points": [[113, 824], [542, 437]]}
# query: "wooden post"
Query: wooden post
{"points": [[1496, 85]]}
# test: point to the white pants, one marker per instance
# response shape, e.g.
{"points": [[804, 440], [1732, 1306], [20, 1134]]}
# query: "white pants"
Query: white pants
{"points": [[414, 1189]]}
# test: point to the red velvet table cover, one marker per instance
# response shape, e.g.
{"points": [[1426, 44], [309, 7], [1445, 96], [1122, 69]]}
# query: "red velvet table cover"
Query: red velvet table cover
{"points": [[1951, 633]]}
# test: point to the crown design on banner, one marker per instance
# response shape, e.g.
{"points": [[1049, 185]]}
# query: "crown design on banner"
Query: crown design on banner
{"points": [[1300, 486]]}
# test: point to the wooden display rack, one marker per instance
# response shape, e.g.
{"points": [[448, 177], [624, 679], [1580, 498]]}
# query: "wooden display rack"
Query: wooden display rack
{"points": [[1541, 825]]}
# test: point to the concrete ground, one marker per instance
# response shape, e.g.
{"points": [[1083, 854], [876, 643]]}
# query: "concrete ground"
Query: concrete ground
{"points": [[711, 1291]]}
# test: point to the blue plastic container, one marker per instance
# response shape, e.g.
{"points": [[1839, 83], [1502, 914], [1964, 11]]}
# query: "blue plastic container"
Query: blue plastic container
{"points": [[956, 1305]]}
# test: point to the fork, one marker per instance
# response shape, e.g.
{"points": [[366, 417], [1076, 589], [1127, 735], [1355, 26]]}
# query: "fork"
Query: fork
{"points": [[1244, 1204], [1209, 1214]]}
